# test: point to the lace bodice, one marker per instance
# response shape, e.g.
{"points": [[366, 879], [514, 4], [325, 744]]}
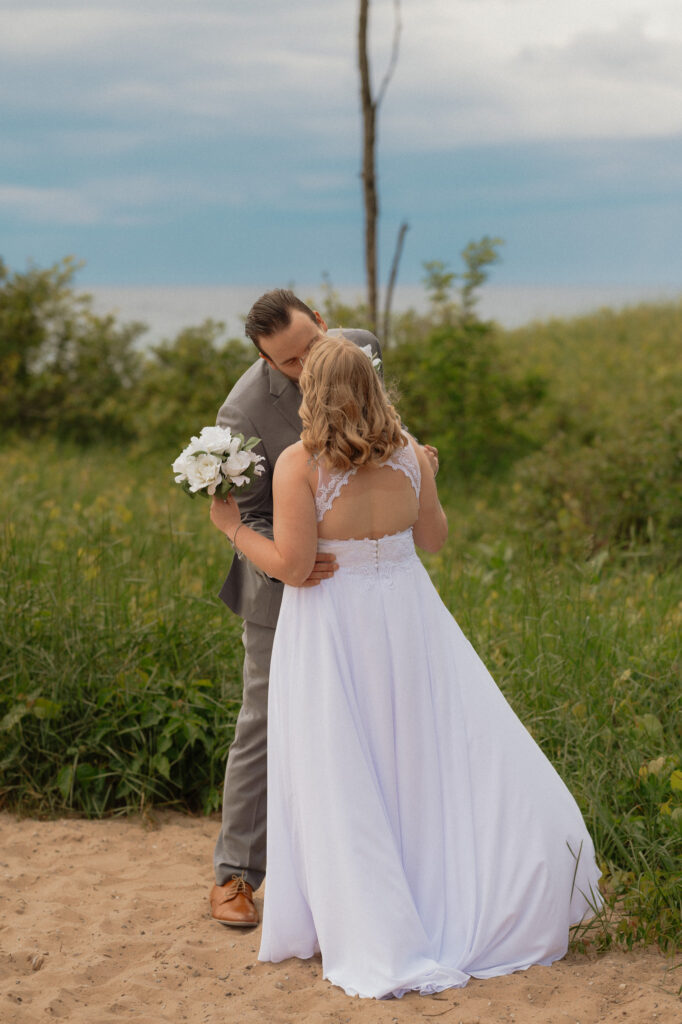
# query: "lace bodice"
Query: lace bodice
{"points": [[372, 559], [330, 482]]}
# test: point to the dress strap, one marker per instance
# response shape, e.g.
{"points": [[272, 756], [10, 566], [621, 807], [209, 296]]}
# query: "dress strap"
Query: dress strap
{"points": [[329, 485], [405, 460]]}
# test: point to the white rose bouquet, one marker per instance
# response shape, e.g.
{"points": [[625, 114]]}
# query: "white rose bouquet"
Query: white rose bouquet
{"points": [[216, 461]]}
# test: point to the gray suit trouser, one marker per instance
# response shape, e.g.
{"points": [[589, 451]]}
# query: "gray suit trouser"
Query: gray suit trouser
{"points": [[241, 845]]}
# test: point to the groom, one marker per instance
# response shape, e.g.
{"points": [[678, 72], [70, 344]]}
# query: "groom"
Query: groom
{"points": [[263, 403]]}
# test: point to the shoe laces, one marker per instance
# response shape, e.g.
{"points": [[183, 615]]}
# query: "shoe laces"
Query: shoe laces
{"points": [[239, 883]]}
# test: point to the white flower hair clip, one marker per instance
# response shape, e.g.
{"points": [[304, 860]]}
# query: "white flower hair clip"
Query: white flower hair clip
{"points": [[375, 360]]}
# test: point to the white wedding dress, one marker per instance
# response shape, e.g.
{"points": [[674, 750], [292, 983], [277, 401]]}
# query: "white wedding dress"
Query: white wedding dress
{"points": [[417, 835]]}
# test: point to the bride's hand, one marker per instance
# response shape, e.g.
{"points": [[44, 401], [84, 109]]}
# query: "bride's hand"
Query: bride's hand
{"points": [[432, 455], [225, 515]]}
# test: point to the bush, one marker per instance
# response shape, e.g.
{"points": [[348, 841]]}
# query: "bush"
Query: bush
{"points": [[455, 394], [69, 374], [604, 370], [183, 384], [116, 746], [620, 489], [64, 372]]}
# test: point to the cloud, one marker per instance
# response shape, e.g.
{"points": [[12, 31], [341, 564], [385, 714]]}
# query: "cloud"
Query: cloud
{"points": [[483, 71], [513, 69], [44, 32], [623, 83], [171, 71], [157, 197], [48, 205], [116, 200]]}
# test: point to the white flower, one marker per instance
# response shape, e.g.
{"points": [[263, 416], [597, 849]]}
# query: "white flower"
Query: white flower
{"points": [[236, 463], [375, 361], [203, 471], [215, 440], [180, 465]]}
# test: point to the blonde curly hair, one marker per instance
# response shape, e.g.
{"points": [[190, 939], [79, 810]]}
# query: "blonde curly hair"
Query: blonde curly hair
{"points": [[347, 416]]}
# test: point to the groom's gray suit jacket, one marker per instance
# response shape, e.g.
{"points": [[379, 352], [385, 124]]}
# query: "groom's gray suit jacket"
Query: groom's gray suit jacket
{"points": [[264, 403]]}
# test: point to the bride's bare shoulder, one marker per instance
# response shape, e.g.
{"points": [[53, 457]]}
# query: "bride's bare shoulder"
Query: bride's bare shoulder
{"points": [[294, 470], [294, 459]]}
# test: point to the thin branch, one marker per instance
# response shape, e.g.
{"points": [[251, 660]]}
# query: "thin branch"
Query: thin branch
{"points": [[404, 227], [397, 29]]}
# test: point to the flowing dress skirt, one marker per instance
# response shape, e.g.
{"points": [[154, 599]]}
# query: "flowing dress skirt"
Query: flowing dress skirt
{"points": [[417, 835]]}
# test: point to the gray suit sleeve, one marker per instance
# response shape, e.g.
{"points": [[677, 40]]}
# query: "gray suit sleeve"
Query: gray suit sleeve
{"points": [[256, 504]]}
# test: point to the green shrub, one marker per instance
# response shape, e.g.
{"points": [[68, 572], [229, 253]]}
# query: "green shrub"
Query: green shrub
{"points": [[603, 371], [64, 372], [454, 393], [120, 745], [621, 489], [69, 374], [183, 383]]}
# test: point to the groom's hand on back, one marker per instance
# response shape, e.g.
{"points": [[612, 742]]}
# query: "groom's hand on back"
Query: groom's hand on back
{"points": [[325, 567]]}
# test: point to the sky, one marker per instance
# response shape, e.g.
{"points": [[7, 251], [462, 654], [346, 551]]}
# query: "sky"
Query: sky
{"points": [[204, 142]]}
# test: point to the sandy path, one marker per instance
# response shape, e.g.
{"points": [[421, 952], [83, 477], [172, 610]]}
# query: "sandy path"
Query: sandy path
{"points": [[107, 922]]}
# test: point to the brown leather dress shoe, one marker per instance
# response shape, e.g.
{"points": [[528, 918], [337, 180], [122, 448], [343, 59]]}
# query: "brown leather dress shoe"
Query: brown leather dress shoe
{"points": [[232, 904]]}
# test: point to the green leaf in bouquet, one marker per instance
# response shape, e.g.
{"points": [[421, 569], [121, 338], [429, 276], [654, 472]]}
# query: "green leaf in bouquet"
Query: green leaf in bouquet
{"points": [[223, 488]]}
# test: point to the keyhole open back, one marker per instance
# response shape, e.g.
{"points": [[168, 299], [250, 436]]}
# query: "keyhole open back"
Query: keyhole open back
{"points": [[370, 501]]}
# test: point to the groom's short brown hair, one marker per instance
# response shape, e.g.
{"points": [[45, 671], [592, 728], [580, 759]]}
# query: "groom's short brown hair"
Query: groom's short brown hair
{"points": [[272, 312]]}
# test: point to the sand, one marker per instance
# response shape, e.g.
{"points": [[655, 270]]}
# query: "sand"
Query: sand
{"points": [[107, 921]]}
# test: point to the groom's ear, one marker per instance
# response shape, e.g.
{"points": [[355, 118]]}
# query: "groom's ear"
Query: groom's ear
{"points": [[266, 357], [320, 321]]}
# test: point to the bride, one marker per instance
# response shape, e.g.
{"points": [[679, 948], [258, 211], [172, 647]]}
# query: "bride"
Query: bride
{"points": [[417, 835]]}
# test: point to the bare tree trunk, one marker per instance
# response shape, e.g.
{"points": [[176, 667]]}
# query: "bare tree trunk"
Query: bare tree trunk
{"points": [[370, 105], [369, 189], [404, 227]]}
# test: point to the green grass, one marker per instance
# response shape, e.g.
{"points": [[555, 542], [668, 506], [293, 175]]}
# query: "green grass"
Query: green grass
{"points": [[121, 669], [603, 369], [120, 679]]}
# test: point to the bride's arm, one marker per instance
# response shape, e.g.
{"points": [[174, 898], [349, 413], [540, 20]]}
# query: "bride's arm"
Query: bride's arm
{"points": [[431, 529], [290, 557]]}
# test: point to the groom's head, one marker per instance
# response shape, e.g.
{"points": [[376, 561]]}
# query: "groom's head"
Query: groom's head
{"points": [[283, 329]]}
